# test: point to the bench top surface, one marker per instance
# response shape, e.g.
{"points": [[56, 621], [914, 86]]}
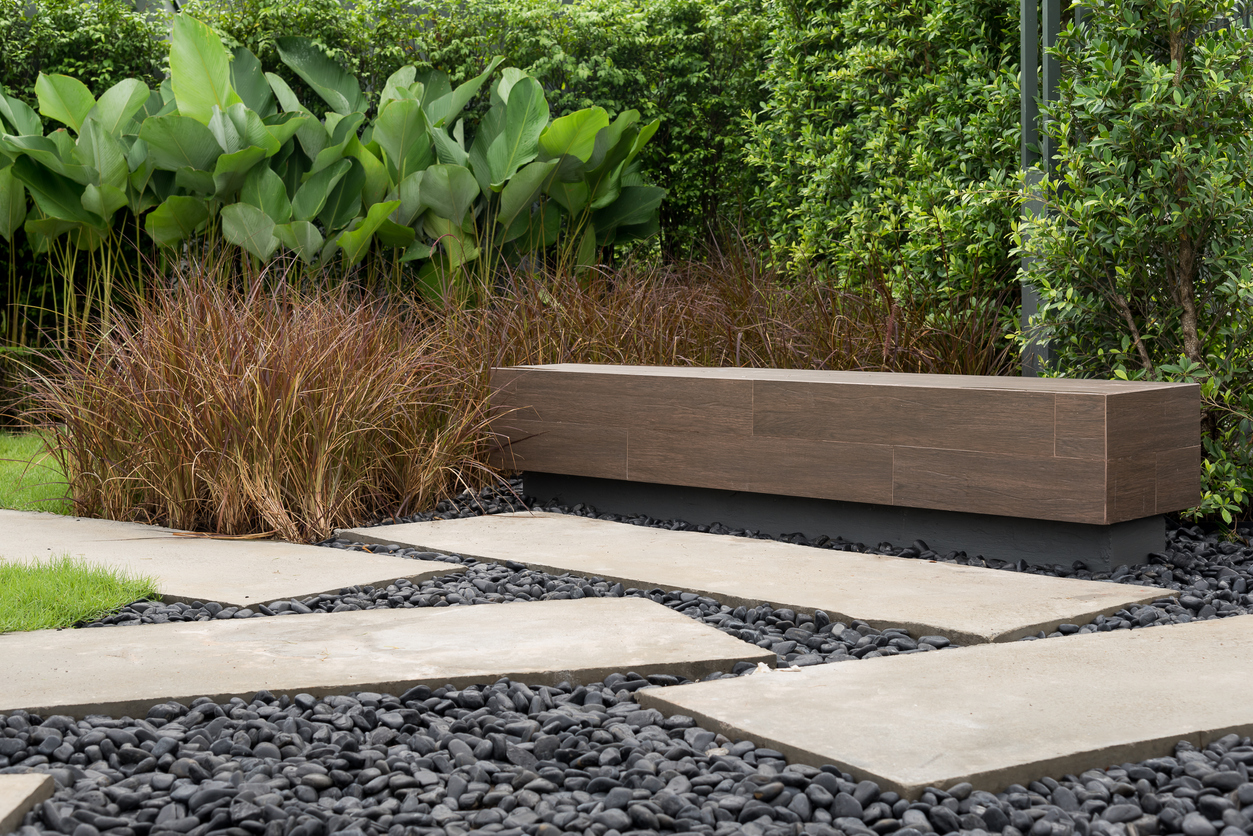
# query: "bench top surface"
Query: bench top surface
{"points": [[1059, 385]]}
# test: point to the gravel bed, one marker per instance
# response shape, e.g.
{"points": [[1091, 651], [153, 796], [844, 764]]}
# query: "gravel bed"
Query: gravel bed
{"points": [[511, 759]]}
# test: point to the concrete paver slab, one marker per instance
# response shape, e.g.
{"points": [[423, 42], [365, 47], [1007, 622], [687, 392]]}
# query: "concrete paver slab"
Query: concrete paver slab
{"points": [[18, 796], [238, 573], [993, 714], [966, 604], [126, 670]]}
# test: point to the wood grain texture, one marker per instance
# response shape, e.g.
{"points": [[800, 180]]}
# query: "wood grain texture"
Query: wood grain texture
{"points": [[1138, 422], [821, 469], [1131, 488], [1084, 451], [632, 401], [1178, 479], [1079, 426], [1045, 488], [569, 449], [953, 419]]}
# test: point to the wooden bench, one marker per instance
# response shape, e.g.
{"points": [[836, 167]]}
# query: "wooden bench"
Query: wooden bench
{"points": [[1047, 470]]}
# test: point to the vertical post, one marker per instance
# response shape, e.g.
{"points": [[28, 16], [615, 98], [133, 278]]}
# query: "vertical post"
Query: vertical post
{"points": [[1036, 355]]}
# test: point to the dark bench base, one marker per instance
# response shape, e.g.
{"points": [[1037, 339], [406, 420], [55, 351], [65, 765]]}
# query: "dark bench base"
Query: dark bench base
{"points": [[1038, 542]]}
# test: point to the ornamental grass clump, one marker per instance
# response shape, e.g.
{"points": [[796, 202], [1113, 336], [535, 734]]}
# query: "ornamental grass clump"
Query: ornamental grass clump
{"points": [[266, 413]]}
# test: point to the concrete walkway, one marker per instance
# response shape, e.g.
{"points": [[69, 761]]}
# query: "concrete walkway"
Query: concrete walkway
{"points": [[18, 796], [967, 605], [993, 714], [126, 670], [237, 573]]}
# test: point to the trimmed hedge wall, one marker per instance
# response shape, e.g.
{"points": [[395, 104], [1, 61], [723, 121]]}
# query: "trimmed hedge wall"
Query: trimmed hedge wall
{"points": [[890, 139]]}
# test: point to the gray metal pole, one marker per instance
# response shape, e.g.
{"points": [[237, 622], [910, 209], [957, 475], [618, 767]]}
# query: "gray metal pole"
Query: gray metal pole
{"points": [[1036, 356]]}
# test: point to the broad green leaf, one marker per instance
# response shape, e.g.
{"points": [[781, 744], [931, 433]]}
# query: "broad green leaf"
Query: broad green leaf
{"points": [[343, 204], [232, 170], [449, 191], [311, 197], [177, 141], [610, 149], [433, 84], [43, 230], [103, 200], [574, 134], [536, 230], [397, 86], [284, 126], [417, 250], [376, 181], [176, 219], [490, 127], [329, 80], [301, 237], [224, 131], [635, 205], [449, 150], [586, 256], [410, 194], [64, 99], [521, 192], [458, 245], [49, 154], [18, 116], [392, 234], [645, 134], [248, 227], [509, 76], [12, 203], [440, 110], [526, 116], [637, 232], [571, 197], [200, 70], [251, 130], [100, 149], [356, 242], [248, 81], [194, 180], [345, 130], [264, 189], [402, 132], [56, 196], [118, 106]]}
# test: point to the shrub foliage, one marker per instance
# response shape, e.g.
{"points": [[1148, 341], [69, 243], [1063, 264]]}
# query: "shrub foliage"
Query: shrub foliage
{"points": [[889, 137], [1144, 256]]}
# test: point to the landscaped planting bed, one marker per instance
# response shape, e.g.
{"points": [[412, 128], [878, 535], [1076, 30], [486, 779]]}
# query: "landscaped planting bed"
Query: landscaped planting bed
{"points": [[513, 759]]}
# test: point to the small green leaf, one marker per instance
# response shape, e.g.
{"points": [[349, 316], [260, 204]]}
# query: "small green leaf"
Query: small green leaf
{"points": [[311, 197], [356, 241], [264, 189]]}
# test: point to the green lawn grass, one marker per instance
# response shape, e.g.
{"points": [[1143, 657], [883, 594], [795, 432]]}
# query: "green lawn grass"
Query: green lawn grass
{"points": [[63, 591], [30, 480]]}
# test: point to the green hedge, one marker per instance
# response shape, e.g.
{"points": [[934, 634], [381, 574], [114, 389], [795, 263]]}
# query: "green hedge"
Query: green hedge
{"points": [[1144, 258], [693, 63], [99, 43], [890, 138]]}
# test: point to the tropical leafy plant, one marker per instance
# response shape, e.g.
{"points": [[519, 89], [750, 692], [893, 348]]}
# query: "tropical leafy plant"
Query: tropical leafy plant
{"points": [[224, 146]]}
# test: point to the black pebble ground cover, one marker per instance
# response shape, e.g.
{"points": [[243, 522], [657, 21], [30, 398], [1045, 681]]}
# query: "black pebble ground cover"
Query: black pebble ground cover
{"points": [[512, 759]]}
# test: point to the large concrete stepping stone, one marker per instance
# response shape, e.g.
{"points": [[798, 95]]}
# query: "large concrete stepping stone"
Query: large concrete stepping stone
{"points": [[966, 604], [238, 573], [125, 670], [18, 796], [993, 714]]}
